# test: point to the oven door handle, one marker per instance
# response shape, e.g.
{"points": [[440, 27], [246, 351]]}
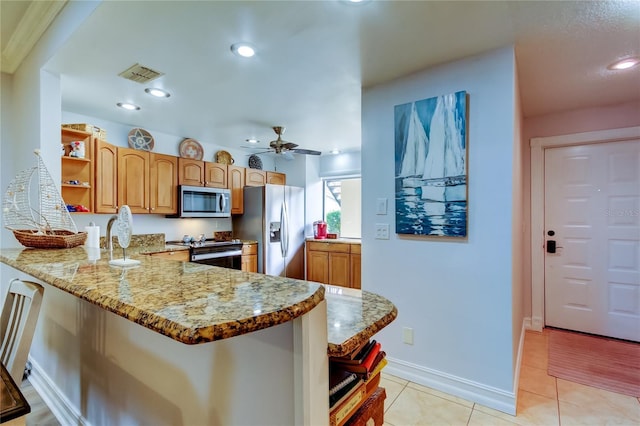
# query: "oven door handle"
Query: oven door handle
{"points": [[205, 256]]}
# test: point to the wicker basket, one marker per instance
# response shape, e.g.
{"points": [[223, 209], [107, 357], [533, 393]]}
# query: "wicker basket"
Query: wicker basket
{"points": [[95, 130], [57, 239]]}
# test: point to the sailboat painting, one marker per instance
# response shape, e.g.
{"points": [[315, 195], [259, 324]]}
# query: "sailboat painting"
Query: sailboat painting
{"points": [[430, 166]]}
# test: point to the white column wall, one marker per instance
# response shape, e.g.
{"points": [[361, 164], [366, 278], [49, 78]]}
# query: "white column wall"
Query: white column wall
{"points": [[456, 295]]}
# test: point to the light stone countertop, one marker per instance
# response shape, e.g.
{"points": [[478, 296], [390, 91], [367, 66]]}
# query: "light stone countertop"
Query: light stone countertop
{"points": [[335, 241], [188, 302], [194, 303]]}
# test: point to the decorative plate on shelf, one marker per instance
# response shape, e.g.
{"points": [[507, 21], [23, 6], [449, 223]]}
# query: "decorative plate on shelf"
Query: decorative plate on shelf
{"points": [[191, 148], [255, 162], [141, 139], [223, 157]]}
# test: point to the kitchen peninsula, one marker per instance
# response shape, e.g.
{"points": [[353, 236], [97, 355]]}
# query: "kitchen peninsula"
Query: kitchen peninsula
{"points": [[216, 346]]}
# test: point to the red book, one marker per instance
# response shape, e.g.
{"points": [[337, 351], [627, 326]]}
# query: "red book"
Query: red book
{"points": [[366, 365]]}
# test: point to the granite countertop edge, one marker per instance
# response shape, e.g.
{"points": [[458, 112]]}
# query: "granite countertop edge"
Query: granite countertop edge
{"points": [[165, 326]]}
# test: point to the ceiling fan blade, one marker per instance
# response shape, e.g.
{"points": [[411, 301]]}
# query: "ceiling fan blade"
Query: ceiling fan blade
{"points": [[289, 145], [306, 151]]}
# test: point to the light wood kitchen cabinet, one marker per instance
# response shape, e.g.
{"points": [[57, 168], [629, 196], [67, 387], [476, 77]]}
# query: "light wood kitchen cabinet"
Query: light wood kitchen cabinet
{"points": [[250, 258], [236, 185], [255, 177], [147, 182], [317, 266], [333, 263], [201, 173], [77, 170], [163, 181], [215, 175], [133, 179], [177, 255], [276, 178], [105, 185], [190, 172], [355, 265]]}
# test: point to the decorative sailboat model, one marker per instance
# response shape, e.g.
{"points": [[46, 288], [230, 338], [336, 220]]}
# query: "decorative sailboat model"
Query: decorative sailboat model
{"points": [[49, 226]]}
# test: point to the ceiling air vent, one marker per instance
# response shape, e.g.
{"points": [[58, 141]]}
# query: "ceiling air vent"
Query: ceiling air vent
{"points": [[140, 74]]}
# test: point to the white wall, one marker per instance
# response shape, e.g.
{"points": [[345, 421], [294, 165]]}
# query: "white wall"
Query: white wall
{"points": [[455, 294]]}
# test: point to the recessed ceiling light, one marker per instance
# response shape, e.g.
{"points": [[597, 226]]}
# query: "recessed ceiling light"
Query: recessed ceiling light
{"points": [[243, 49], [624, 64], [335, 151], [128, 106], [158, 93], [251, 140]]}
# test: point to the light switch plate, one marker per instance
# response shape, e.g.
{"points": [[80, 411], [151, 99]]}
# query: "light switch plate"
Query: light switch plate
{"points": [[381, 206], [382, 231]]}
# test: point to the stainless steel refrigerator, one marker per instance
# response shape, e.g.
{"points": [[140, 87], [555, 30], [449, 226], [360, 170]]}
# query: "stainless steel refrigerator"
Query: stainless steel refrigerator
{"points": [[274, 216]]}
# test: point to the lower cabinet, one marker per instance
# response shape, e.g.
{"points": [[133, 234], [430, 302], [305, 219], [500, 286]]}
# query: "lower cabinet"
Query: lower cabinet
{"points": [[334, 263], [250, 258]]}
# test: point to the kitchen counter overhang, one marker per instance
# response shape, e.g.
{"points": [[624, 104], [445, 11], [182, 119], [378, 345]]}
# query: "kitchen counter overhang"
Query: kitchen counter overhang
{"points": [[188, 302]]}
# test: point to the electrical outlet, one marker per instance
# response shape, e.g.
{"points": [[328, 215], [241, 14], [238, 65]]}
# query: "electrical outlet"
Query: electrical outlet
{"points": [[382, 231], [407, 335], [381, 206]]}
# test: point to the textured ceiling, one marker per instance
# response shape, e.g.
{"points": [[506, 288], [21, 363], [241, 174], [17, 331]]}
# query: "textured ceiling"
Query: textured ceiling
{"points": [[315, 56]]}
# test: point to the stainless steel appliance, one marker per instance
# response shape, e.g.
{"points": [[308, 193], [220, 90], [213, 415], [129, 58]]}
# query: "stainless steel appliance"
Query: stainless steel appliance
{"points": [[200, 201], [227, 254], [274, 216]]}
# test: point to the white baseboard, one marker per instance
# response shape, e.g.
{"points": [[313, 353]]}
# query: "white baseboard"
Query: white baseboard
{"points": [[488, 396], [537, 323], [59, 405]]}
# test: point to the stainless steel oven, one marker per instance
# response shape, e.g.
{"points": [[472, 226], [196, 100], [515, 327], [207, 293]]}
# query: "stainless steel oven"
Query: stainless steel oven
{"points": [[226, 254]]}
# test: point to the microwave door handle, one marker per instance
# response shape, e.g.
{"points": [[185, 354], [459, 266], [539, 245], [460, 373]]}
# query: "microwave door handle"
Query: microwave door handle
{"points": [[222, 203]]}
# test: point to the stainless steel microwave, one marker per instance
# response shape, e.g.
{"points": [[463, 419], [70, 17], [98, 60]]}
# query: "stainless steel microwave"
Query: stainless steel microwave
{"points": [[199, 201]]}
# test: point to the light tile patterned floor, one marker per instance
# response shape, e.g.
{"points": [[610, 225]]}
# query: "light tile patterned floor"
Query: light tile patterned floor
{"points": [[542, 400]]}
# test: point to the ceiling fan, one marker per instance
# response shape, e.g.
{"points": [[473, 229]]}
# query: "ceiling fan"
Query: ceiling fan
{"points": [[285, 148]]}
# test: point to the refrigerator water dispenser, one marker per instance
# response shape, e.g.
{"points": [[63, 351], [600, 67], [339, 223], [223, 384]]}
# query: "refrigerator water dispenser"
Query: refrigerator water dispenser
{"points": [[274, 232]]}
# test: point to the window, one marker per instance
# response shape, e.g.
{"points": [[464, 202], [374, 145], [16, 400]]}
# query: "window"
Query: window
{"points": [[342, 206]]}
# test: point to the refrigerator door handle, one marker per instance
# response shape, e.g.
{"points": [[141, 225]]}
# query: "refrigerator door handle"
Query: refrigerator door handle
{"points": [[285, 229], [282, 231]]}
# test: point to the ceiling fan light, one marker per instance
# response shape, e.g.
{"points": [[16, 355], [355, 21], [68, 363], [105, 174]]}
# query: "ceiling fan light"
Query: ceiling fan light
{"points": [[624, 64], [243, 49], [128, 106]]}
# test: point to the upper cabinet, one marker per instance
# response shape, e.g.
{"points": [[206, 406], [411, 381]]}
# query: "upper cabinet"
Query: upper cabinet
{"points": [[163, 181], [76, 169], [106, 177], [255, 177], [236, 185], [201, 173], [147, 182], [190, 172], [215, 175], [276, 178], [133, 179]]}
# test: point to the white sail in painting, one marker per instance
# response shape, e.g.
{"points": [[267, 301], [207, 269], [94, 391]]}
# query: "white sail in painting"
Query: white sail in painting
{"points": [[444, 176], [416, 146]]}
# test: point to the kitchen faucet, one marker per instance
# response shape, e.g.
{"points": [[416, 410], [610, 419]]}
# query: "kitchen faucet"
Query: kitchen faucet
{"points": [[109, 242]]}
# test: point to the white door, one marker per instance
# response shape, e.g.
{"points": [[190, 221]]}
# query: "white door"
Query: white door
{"points": [[592, 212]]}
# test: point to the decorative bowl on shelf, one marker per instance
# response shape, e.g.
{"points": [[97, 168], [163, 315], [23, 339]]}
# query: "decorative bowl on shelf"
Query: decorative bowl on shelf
{"points": [[255, 162]]}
